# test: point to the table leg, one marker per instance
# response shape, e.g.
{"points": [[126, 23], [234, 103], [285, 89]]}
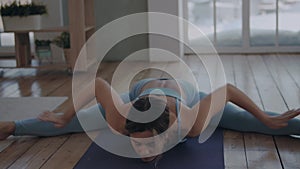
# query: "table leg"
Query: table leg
{"points": [[22, 47]]}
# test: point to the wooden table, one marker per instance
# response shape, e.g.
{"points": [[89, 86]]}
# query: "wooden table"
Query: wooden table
{"points": [[22, 44]]}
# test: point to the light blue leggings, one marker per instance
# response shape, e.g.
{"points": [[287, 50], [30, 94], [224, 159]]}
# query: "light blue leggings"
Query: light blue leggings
{"points": [[233, 118]]}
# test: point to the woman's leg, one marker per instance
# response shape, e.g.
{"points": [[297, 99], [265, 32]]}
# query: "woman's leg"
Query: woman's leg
{"points": [[85, 120], [235, 118], [37, 127]]}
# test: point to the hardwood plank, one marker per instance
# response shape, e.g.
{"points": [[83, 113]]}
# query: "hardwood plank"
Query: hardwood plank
{"points": [[234, 146], [284, 81], [269, 92], [261, 152], [22, 86], [234, 150], [6, 143], [266, 157], [7, 73], [69, 153], [13, 152], [288, 148], [64, 90], [39, 153], [19, 73], [291, 63], [199, 72], [246, 82], [29, 144], [16, 73], [9, 85], [36, 87], [56, 142], [227, 61]]}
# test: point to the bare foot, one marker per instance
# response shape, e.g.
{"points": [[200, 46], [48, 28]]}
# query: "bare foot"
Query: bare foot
{"points": [[56, 118], [281, 120], [6, 129]]}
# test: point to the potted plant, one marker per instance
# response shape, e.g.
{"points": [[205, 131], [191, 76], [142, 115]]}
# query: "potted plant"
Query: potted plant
{"points": [[43, 50], [63, 41], [17, 16]]}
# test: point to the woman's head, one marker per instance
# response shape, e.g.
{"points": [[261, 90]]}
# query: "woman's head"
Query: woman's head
{"points": [[137, 130], [143, 104]]}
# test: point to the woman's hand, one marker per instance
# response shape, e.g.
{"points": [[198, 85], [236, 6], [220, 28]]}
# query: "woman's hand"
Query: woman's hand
{"points": [[57, 119], [280, 121]]}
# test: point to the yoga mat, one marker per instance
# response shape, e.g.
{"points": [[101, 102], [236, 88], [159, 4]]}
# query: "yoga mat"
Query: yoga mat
{"points": [[17, 108], [187, 155]]}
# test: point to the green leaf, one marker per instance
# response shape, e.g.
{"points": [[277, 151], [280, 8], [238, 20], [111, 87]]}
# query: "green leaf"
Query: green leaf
{"points": [[17, 9]]}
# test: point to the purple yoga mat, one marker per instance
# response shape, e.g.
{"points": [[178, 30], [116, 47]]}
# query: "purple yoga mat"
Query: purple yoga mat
{"points": [[187, 155]]}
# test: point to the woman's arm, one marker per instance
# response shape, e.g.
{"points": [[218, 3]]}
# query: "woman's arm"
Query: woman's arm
{"points": [[206, 110], [112, 104]]}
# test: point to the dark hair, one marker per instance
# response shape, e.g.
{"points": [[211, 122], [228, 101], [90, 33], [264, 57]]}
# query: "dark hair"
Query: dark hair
{"points": [[143, 104]]}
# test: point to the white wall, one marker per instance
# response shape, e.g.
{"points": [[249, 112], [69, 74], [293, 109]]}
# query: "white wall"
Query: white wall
{"points": [[156, 41], [109, 10], [53, 18]]}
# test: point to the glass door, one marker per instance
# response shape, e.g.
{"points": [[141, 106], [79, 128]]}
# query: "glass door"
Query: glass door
{"points": [[263, 23], [220, 20], [246, 26], [288, 23]]}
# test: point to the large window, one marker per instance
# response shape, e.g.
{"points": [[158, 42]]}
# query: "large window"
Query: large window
{"points": [[263, 22], [220, 20], [288, 23], [247, 25]]}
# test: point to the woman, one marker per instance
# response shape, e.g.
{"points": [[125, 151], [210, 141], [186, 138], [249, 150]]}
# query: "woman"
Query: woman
{"points": [[191, 106]]}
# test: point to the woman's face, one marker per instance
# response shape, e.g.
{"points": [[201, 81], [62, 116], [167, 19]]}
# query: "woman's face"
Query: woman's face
{"points": [[146, 147]]}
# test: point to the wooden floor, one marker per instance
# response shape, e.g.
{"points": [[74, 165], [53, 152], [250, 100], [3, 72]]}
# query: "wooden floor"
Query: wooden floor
{"points": [[272, 81]]}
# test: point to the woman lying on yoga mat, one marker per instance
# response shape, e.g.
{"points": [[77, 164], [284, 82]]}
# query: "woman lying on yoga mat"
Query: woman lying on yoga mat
{"points": [[177, 109]]}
